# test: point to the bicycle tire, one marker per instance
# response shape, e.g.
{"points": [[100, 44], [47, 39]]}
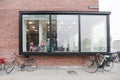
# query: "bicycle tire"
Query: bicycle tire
{"points": [[10, 67], [90, 66], [108, 65], [30, 66]]}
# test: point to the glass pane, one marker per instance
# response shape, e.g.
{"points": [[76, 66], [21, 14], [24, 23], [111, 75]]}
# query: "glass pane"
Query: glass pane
{"points": [[93, 33], [35, 33], [64, 33]]}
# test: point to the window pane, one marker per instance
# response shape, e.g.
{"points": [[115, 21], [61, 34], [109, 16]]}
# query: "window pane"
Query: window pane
{"points": [[93, 33], [35, 33], [64, 33]]}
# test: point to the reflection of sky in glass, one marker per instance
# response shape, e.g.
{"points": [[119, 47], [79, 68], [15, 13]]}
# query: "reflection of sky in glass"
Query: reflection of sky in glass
{"points": [[93, 32], [76, 39], [99, 32], [67, 27], [91, 22]]}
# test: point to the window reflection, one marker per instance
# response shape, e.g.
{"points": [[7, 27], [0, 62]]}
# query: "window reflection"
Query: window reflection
{"points": [[93, 33], [65, 33]]}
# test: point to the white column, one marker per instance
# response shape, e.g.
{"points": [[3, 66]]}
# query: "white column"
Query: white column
{"points": [[40, 31], [24, 35]]}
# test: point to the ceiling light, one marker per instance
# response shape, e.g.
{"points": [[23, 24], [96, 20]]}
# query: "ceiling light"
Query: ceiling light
{"points": [[57, 39], [48, 26], [30, 22], [48, 22], [33, 27], [35, 30], [69, 27], [27, 30], [61, 22], [74, 22]]}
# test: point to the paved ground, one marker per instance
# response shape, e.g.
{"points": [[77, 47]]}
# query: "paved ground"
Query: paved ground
{"points": [[62, 73]]}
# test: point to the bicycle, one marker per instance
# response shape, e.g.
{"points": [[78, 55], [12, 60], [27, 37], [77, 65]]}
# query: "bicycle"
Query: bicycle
{"points": [[27, 64], [99, 61], [116, 56]]}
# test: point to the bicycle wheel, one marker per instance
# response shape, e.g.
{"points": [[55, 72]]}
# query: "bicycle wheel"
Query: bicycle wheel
{"points": [[9, 67], [30, 66], [90, 66], [108, 65]]}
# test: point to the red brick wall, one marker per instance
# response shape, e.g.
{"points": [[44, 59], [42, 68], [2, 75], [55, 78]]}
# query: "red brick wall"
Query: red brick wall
{"points": [[61, 60], [9, 27]]}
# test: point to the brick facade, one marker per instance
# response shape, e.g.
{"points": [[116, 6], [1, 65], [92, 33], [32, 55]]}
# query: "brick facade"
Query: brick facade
{"points": [[9, 28]]}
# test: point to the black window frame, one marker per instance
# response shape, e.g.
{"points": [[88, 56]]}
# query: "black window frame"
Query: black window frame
{"points": [[79, 34]]}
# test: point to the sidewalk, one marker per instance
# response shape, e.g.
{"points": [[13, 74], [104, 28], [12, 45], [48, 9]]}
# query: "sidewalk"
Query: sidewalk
{"points": [[62, 73]]}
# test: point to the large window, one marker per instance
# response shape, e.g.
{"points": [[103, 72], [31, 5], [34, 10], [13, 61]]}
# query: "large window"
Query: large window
{"points": [[73, 32], [65, 33], [35, 29], [93, 33]]}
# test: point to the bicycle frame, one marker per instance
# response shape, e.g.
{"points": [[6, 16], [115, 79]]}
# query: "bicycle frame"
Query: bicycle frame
{"points": [[27, 64], [101, 64], [17, 61]]}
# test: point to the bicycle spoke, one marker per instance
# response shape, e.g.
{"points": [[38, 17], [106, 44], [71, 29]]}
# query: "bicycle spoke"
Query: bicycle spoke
{"points": [[90, 66]]}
